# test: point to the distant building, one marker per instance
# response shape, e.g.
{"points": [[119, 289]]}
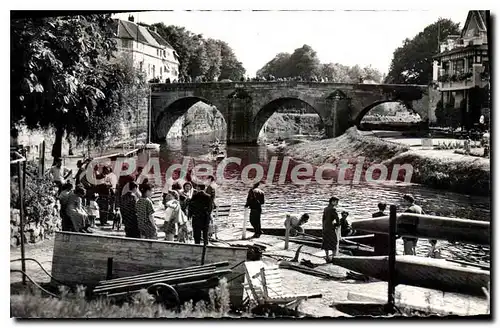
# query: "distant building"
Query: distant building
{"points": [[461, 70], [147, 50]]}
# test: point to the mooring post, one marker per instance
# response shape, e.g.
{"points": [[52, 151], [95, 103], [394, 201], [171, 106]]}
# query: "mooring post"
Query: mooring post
{"points": [[109, 273], [21, 216], [392, 258], [287, 231]]}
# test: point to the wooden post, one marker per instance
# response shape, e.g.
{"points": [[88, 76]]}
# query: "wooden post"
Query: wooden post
{"points": [[43, 157], [109, 273], [287, 231], [392, 258], [21, 217], [245, 218]]}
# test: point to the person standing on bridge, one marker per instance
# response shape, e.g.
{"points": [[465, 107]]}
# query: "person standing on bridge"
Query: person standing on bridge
{"points": [[255, 200], [410, 243]]}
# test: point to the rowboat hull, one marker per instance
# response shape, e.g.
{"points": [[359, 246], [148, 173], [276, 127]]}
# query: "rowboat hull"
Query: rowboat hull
{"points": [[86, 259], [422, 272], [431, 227], [356, 250], [358, 237]]}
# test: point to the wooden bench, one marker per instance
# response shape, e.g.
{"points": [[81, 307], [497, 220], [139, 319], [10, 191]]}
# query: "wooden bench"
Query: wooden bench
{"points": [[221, 211]]}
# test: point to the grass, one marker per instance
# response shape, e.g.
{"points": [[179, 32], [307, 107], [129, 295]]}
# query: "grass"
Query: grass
{"points": [[32, 304]]}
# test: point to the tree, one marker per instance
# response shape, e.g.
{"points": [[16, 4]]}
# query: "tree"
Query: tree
{"points": [[61, 76], [336, 73], [199, 57], [214, 59], [231, 68], [199, 65], [412, 62], [304, 62], [278, 66]]}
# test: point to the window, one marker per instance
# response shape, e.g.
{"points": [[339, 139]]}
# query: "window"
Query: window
{"points": [[140, 66], [160, 70], [154, 75]]}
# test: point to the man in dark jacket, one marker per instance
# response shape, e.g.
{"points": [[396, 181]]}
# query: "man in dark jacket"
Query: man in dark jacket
{"points": [[200, 208], [128, 211], [255, 200], [382, 246]]}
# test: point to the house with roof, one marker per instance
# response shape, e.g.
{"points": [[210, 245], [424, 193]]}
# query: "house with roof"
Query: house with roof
{"points": [[461, 70], [146, 50]]}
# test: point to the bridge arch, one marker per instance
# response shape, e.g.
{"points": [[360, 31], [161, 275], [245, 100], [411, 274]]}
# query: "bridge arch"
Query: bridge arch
{"points": [[174, 111], [364, 111], [267, 110]]}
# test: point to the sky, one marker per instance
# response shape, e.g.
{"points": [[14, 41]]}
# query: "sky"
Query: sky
{"points": [[345, 37]]}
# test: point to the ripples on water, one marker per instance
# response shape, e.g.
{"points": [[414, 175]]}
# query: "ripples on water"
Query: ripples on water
{"points": [[359, 200]]}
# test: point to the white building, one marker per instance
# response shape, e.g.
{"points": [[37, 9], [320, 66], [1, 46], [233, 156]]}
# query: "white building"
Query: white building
{"points": [[147, 50]]}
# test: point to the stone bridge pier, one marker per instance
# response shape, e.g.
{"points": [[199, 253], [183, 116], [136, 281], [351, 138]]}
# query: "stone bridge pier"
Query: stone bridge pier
{"points": [[246, 106]]}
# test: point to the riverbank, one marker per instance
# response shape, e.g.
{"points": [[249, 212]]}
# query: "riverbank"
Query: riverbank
{"points": [[333, 291], [434, 168]]}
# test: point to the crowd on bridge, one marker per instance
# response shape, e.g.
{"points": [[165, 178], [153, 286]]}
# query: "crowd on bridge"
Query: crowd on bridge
{"points": [[269, 78]]}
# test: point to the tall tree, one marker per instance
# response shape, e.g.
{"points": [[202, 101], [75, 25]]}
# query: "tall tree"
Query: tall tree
{"points": [[231, 68], [214, 58], [278, 66], [304, 62], [61, 76], [412, 62]]}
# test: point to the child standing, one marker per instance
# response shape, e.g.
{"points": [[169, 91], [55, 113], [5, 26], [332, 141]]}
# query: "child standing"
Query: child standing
{"points": [[93, 209]]}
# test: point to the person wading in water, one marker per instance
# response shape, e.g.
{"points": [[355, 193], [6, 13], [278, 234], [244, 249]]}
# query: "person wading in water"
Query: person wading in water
{"points": [[255, 200], [331, 229]]}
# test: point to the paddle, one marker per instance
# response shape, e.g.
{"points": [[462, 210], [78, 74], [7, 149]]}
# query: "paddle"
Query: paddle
{"points": [[310, 236]]}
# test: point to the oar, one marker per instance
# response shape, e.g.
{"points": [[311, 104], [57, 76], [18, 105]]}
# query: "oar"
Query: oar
{"points": [[476, 265], [308, 235], [354, 243]]}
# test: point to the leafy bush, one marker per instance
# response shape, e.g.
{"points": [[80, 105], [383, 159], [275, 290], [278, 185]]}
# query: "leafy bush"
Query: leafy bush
{"points": [[39, 193]]}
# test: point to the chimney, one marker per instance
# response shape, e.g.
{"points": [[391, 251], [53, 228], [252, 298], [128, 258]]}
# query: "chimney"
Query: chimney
{"points": [[131, 18]]}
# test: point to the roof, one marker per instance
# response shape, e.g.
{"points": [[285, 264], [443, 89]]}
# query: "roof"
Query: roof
{"points": [[480, 17], [133, 31], [458, 49], [159, 39]]}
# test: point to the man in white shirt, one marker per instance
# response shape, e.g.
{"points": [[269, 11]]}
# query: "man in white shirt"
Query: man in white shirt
{"points": [[59, 173]]}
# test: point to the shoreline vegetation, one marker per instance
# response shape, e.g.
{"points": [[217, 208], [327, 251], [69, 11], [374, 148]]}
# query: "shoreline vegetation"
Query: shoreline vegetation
{"points": [[453, 172]]}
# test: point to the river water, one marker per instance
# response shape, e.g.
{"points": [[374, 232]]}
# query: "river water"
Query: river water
{"points": [[359, 200]]}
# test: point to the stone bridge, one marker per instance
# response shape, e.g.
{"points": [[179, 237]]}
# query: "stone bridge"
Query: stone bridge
{"points": [[246, 106]]}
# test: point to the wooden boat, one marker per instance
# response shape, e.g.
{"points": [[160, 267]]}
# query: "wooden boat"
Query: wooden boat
{"points": [[358, 237], [281, 231], [86, 259], [432, 227], [349, 249], [420, 271]]}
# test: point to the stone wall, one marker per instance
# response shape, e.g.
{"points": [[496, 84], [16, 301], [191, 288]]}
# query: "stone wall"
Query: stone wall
{"points": [[199, 119], [34, 232]]}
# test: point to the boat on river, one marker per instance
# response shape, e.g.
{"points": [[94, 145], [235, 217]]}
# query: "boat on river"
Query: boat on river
{"points": [[421, 271], [358, 236], [431, 227], [87, 259], [345, 248]]}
